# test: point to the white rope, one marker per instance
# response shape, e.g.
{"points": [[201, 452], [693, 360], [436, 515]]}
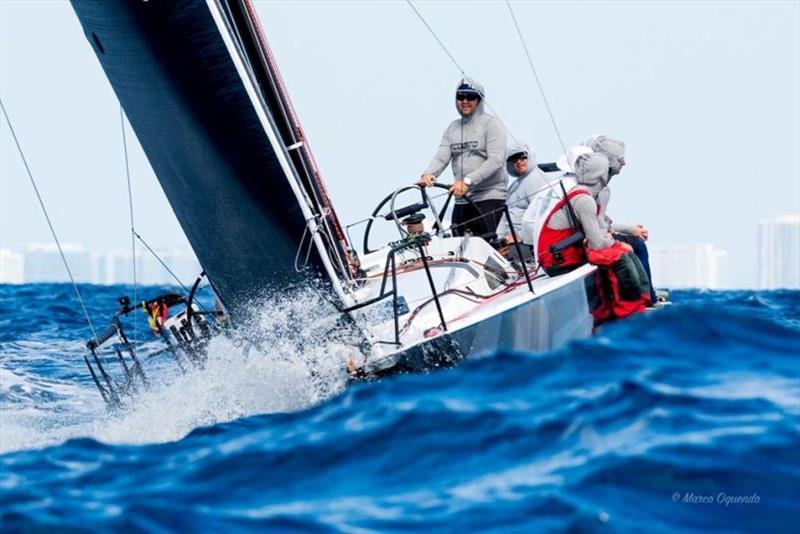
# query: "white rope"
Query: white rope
{"points": [[49, 222]]}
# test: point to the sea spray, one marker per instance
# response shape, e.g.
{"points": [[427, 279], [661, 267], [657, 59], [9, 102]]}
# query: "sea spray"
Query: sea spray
{"points": [[289, 353], [284, 357]]}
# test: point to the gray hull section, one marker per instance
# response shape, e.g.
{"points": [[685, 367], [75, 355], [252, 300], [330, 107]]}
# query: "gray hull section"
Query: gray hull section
{"points": [[542, 324], [545, 323]]}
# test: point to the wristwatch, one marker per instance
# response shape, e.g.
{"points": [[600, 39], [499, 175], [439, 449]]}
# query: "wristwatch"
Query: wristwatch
{"points": [[467, 181]]}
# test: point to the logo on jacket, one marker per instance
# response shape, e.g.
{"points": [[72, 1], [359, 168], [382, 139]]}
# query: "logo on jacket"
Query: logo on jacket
{"points": [[455, 147]]}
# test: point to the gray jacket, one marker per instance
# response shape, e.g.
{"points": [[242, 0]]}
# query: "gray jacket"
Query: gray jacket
{"points": [[605, 221], [521, 190], [475, 148], [591, 171], [614, 150]]}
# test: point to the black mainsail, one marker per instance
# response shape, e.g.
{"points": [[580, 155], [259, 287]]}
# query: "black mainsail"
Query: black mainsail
{"points": [[201, 90]]}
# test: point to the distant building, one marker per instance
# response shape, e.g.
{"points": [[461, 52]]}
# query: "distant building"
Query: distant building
{"points": [[99, 268], [690, 266], [183, 263], [779, 253], [43, 263], [12, 267], [118, 267]]}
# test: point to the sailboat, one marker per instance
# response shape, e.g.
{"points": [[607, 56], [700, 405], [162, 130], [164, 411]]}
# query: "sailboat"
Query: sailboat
{"points": [[202, 91]]}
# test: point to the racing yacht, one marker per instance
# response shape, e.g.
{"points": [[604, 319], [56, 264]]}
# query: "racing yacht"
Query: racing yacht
{"points": [[202, 91]]}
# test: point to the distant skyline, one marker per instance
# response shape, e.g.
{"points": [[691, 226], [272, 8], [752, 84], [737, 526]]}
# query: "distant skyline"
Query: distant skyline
{"points": [[41, 262], [704, 94]]}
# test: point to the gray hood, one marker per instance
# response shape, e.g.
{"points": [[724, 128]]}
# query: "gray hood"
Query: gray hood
{"points": [[591, 171], [477, 86], [520, 148], [613, 149]]}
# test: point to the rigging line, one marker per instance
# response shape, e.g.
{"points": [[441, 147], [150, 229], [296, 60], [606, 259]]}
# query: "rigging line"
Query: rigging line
{"points": [[544, 98], [49, 222], [458, 66], [446, 51], [164, 265], [536, 77], [133, 227]]}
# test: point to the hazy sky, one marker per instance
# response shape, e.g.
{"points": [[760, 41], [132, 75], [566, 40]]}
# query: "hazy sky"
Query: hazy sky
{"points": [[706, 95]]}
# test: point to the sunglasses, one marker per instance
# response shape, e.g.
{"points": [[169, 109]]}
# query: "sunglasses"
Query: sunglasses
{"points": [[516, 157], [470, 97]]}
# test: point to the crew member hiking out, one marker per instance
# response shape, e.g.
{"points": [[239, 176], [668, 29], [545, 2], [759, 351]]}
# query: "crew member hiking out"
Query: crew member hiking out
{"points": [[633, 234], [475, 147], [623, 284]]}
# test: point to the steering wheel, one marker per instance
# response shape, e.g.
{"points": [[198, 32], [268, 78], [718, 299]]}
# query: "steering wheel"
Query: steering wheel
{"points": [[397, 214]]}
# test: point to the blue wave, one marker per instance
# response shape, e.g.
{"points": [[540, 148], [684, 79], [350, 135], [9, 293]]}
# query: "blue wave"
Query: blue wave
{"points": [[681, 420]]}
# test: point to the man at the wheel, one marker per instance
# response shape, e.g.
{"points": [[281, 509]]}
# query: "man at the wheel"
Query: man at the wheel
{"points": [[476, 146]]}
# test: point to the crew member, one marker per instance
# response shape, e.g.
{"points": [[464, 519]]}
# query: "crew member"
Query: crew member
{"points": [[624, 288], [578, 212], [530, 181], [633, 234], [474, 145]]}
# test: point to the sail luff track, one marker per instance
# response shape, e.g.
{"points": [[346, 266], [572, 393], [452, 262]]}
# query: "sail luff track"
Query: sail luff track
{"points": [[264, 68]]}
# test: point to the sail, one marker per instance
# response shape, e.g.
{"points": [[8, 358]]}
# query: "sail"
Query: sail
{"points": [[202, 93]]}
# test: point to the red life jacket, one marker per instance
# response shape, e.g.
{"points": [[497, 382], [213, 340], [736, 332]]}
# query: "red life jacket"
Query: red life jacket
{"points": [[572, 255]]}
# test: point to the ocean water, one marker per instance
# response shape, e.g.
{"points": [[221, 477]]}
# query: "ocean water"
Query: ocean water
{"points": [[682, 420]]}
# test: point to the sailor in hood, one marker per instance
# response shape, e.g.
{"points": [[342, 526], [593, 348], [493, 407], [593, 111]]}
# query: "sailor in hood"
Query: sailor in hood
{"points": [[613, 149], [634, 235], [474, 145], [530, 181], [577, 212]]}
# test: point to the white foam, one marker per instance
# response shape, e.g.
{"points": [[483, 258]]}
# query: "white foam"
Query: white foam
{"points": [[37, 411], [301, 364]]}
